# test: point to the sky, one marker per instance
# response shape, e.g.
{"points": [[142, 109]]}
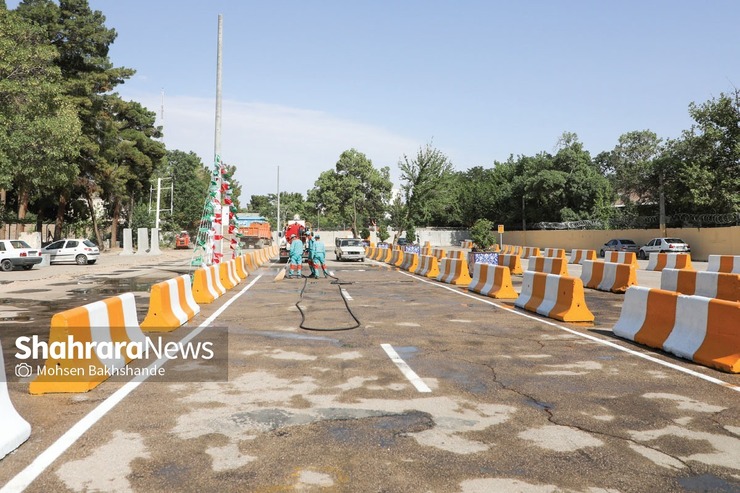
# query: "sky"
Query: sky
{"points": [[480, 80]]}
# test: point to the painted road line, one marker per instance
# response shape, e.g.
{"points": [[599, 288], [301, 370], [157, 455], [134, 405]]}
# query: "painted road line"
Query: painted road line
{"points": [[24, 478], [415, 380], [346, 295], [585, 336]]}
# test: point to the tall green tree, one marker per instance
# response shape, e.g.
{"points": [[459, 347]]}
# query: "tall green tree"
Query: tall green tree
{"points": [[39, 128], [426, 187], [131, 157], [83, 41], [190, 180], [355, 191]]}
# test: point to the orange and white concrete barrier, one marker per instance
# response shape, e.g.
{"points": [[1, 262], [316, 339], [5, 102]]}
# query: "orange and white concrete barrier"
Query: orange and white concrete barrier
{"points": [[207, 284], [440, 253], [660, 261], [14, 429], [493, 281], [240, 267], [608, 276], [111, 321], [578, 256], [721, 285], [395, 256], [528, 252], [703, 330], [171, 304], [466, 244], [457, 254], [554, 252], [513, 262], [385, 255], [370, 252], [558, 297], [724, 263], [621, 258], [428, 267], [454, 271], [549, 265], [226, 275], [249, 262], [410, 262]]}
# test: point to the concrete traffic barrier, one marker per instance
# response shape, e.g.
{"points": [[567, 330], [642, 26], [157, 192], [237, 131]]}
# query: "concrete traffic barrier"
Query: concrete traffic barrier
{"points": [[240, 267], [370, 252], [171, 304], [428, 267], [549, 265], [621, 258], [249, 262], [608, 276], [466, 244], [225, 275], [578, 256], [457, 254], [703, 330], [112, 320], [396, 258], [440, 253], [386, 254], [558, 297], [528, 252], [410, 262], [554, 252], [14, 429], [207, 284], [513, 262], [493, 281], [721, 285], [660, 261], [454, 271], [724, 263]]}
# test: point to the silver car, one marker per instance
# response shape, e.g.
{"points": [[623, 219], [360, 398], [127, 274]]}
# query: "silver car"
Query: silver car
{"points": [[619, 245], [80, 251], [664, 245]]}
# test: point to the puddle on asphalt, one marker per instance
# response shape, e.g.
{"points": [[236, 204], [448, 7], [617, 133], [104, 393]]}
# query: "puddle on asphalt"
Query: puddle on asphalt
{"points": [[31, 310], [707, 482], [28, 291], [283, 335]]}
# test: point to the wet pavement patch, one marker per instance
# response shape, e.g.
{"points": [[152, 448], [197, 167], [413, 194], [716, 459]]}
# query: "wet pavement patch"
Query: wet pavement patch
{"points": [[707, 482]]}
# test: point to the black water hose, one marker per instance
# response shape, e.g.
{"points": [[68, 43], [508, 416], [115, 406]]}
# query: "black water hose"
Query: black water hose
{"points": [[339, 283]]}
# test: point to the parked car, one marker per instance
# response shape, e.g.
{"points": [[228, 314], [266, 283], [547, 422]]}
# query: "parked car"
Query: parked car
{"points": [[80, 251], [18, 253], [619, 245], [664, 245], [350, 249]]}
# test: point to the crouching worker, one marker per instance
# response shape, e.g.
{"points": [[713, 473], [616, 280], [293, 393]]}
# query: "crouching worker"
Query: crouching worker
{"points": [[319, 256], [296, 257]]}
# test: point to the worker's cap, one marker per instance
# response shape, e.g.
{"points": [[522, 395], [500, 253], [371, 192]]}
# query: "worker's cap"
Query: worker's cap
{"points": [[318, 236], [292, 236]]}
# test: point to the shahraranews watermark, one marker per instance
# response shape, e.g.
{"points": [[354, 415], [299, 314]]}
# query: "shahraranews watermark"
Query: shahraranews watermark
{"points": [[85, 353]]}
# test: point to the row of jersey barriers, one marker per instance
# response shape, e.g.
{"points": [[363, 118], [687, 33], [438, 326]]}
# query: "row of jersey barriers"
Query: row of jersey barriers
{"points": [[693, 315], [172, 303]]}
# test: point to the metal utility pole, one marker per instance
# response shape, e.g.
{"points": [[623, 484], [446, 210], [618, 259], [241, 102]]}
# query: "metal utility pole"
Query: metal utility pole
{"points": [[217, 136], [278, 200], [159, 196]]}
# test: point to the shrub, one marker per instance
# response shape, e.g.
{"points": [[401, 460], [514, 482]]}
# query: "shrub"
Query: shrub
{"points": [[482, 234]]}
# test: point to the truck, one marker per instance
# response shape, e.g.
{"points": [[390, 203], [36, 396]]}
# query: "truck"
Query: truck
{"points": [[295, 227], [255, 230]]}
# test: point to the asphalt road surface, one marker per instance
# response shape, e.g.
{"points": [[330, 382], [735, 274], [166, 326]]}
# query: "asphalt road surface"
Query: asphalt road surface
{"points": [[437, 390]]}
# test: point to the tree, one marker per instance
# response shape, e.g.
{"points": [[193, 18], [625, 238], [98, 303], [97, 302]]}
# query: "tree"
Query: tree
{"points": [[190, 180], [482, 234], [355, 191], [39, 128], [708, 157], [82, 40], [426, 185]]}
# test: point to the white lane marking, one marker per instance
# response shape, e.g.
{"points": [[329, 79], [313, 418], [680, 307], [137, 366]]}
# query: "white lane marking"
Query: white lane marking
{"points": [[346, 295], [24, 478], [586, 336], [412, 377]]}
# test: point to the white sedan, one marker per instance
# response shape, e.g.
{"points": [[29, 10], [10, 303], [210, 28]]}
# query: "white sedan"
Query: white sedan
{"points": [[79, 251]]}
